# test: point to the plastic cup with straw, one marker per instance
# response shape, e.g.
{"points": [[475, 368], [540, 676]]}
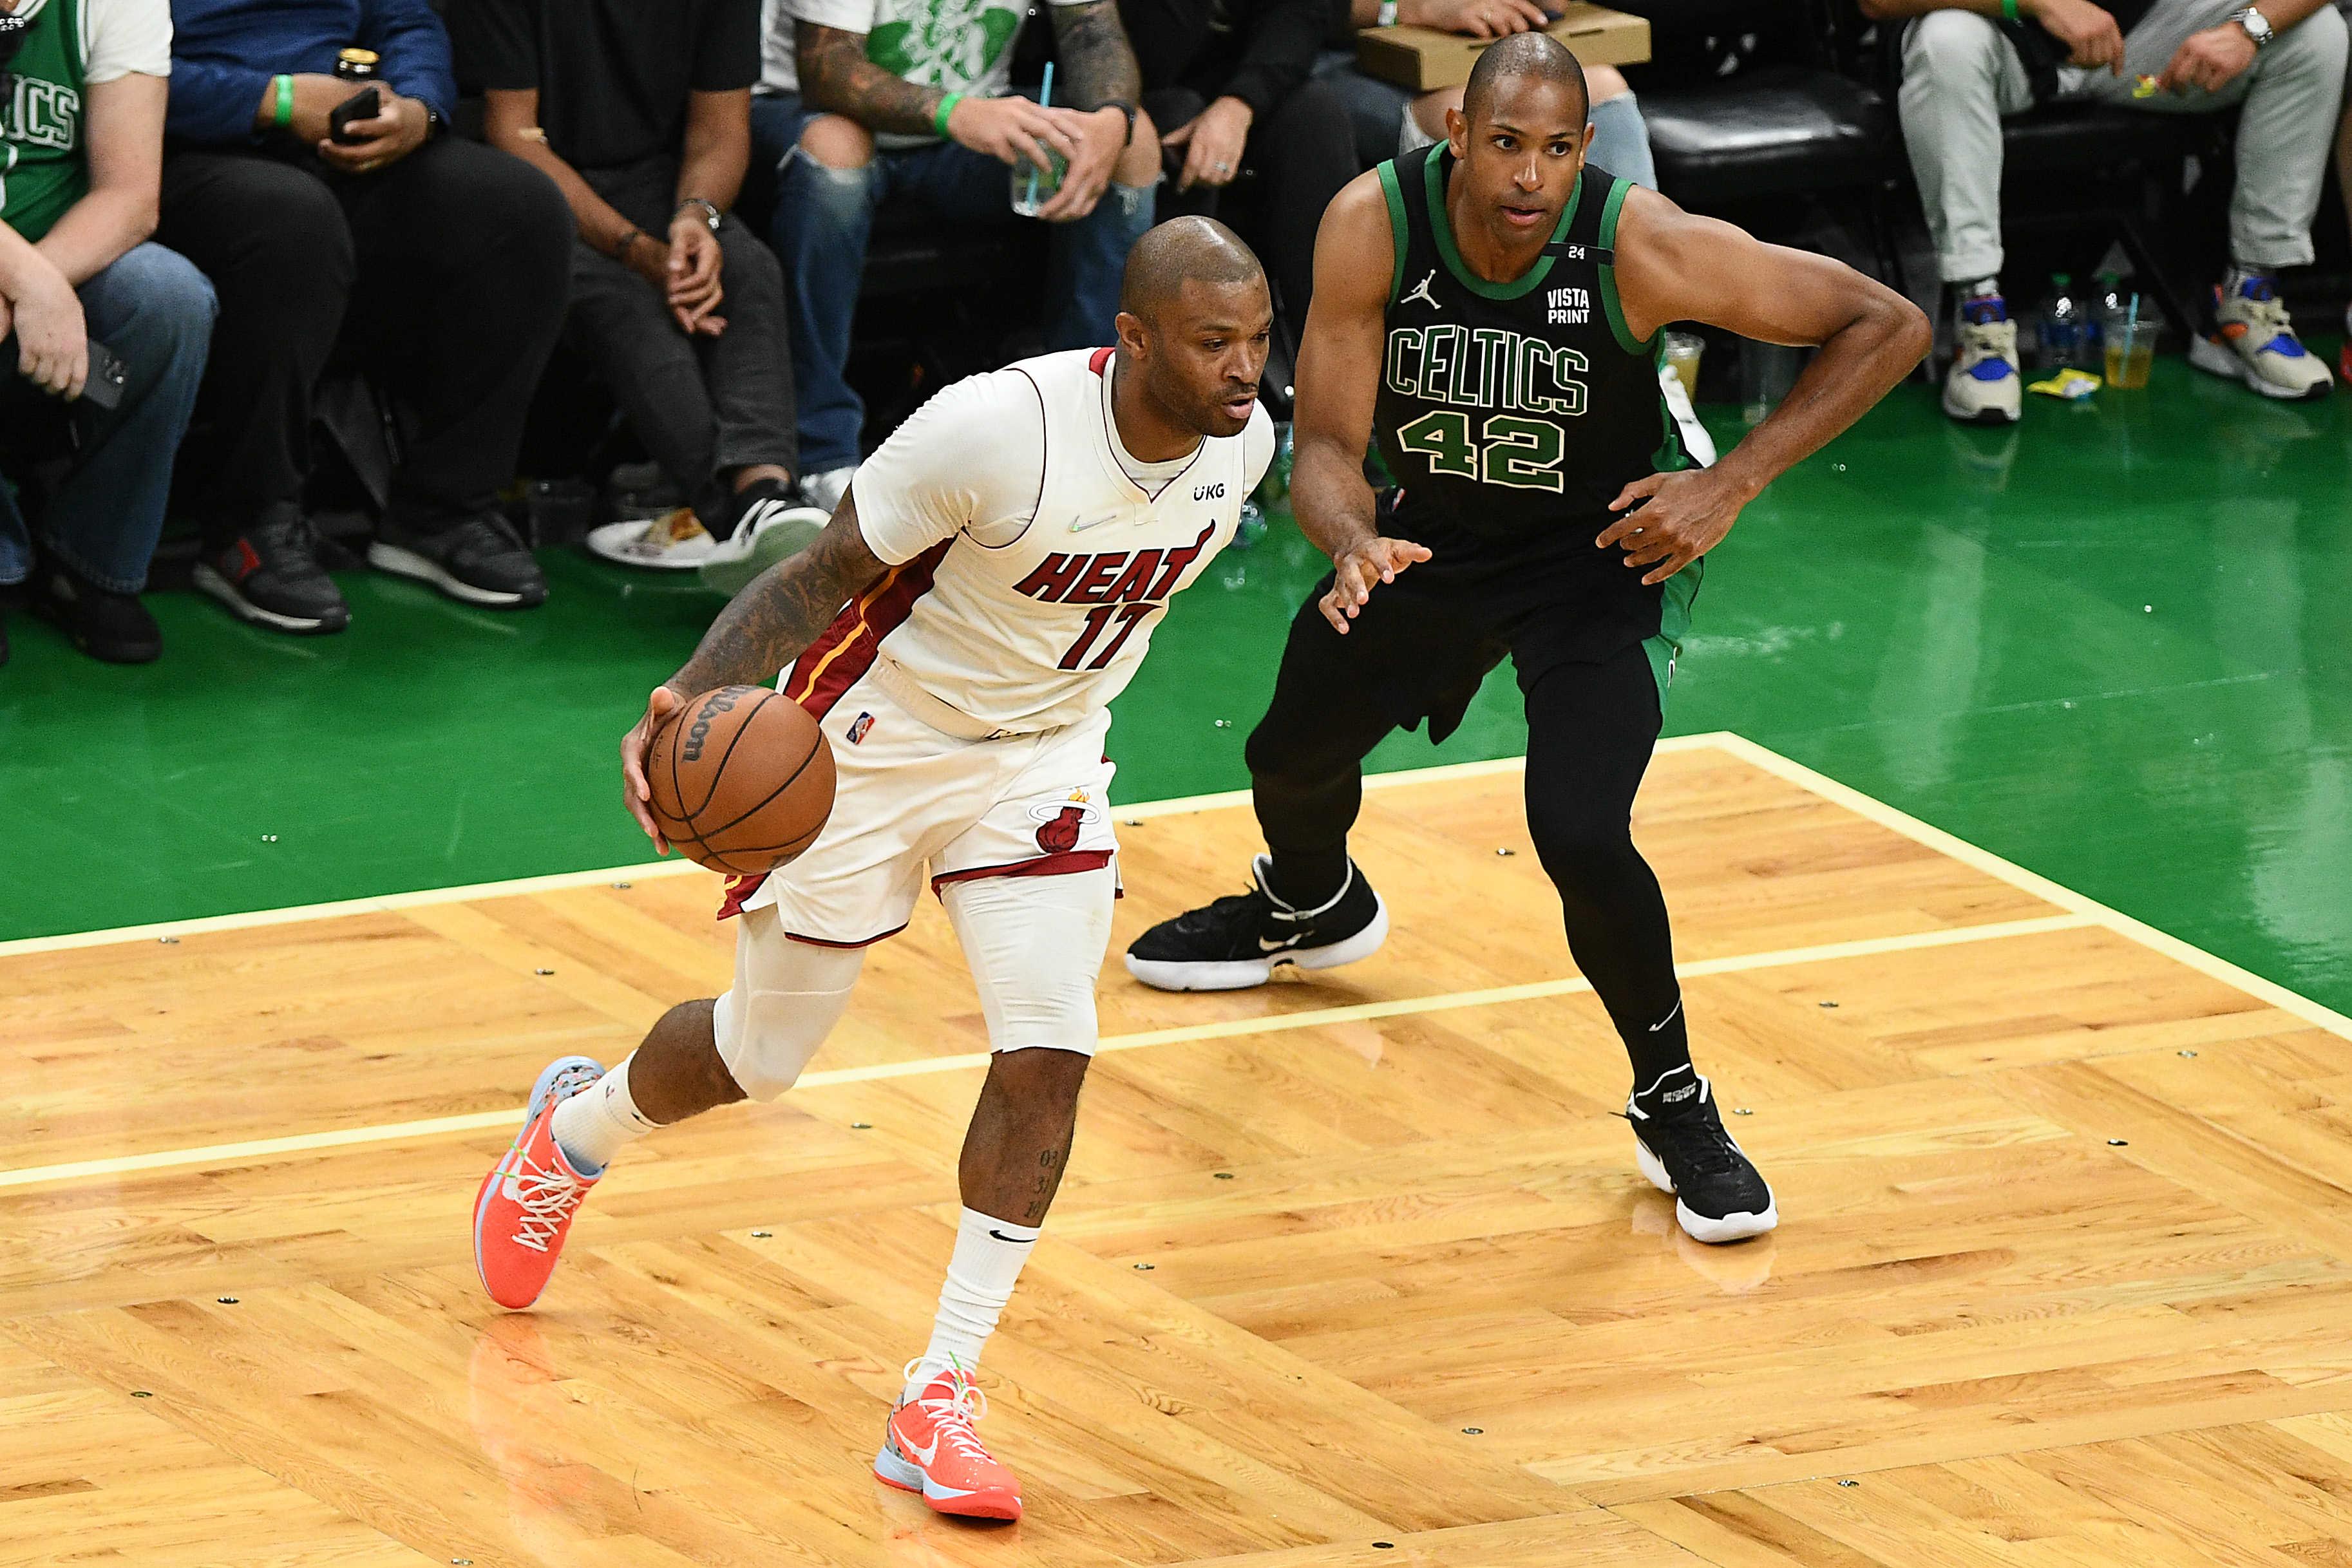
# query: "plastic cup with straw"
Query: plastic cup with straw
{"points": [[2131, 345], [1026, 195]]}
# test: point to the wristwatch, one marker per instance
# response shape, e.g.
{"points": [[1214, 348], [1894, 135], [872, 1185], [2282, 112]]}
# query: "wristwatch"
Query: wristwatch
{"points": [[1126, 109], [2257, 26], [709, 210]]}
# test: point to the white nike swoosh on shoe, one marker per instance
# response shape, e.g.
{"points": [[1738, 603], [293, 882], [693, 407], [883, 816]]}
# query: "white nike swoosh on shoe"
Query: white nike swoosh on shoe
{"points": [[1266, 944], [924, 1457]]}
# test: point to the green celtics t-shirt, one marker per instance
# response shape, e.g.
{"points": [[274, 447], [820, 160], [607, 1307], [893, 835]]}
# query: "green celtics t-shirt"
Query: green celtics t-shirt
{"points": [[963, 45], [44, 167]]}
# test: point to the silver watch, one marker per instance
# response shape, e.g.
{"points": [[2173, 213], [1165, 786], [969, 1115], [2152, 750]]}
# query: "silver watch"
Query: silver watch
{"points": [[2257, 26], [709, 210]]}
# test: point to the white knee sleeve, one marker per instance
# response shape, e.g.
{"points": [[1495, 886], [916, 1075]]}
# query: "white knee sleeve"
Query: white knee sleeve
{"points": [[786, 998], [1035, 946]]}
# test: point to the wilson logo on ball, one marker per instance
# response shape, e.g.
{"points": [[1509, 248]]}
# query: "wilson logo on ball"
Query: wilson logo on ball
{"points": [[719, 703]]}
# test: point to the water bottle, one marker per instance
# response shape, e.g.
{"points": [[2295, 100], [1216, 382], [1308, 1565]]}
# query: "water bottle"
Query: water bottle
{"points": [[2062, 325], [1274, 490]]}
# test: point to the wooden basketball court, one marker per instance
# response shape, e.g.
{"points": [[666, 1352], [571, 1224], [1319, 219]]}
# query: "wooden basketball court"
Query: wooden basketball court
{"points": [[1354, 1273]]}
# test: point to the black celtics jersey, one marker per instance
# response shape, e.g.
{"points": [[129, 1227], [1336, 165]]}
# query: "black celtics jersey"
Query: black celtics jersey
{"points": [[1514, 413]]}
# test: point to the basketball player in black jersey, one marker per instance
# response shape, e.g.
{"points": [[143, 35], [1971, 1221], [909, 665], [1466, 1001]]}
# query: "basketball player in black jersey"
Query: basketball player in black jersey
{"points": [[1490, 311]]}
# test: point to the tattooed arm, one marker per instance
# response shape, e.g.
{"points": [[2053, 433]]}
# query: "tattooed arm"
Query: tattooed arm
{"points": [[836, 76], [1103, 76], [765, 628]]}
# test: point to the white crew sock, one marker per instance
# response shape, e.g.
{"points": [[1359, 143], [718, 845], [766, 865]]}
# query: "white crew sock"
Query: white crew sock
{"points": [[601, 1121], [989, 1253], [1982, 288]]}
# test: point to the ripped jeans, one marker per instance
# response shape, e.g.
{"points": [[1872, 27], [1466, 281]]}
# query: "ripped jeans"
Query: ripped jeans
{"points": [[822, 217]]}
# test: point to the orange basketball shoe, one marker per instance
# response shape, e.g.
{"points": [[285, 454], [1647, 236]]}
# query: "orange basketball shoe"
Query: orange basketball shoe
{"points": [[929, 1446], [524, 1209]]}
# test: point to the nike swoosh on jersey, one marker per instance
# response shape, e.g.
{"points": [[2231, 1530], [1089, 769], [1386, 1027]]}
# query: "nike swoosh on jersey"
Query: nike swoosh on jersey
{"points": [[1080, 525]]}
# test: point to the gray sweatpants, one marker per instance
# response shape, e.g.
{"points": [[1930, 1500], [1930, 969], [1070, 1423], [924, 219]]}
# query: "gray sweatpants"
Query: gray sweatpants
{"points": [[1960, 75]]}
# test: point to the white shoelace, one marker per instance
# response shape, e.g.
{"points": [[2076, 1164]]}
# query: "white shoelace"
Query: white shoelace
{"points": [[955, 1413], [549, 1198]]}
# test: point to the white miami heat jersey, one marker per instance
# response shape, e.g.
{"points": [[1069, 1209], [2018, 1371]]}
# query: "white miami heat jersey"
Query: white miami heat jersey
{"points": [[1027, 567]]}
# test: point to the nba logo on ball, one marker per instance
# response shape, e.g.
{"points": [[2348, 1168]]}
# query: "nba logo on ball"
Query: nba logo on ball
{"points": [[865, 722]]}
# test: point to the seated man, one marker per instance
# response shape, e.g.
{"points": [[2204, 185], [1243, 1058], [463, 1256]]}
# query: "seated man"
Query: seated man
{"points": [[909, 98], [642, 114], [1229, 84], [79, 201], [440, 259], [1389, 118], [1963, 67]]}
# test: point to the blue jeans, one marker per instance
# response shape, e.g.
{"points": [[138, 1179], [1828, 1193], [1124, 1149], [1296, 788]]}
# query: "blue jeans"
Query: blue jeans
{"points": [[824, 216], [155, 310]]}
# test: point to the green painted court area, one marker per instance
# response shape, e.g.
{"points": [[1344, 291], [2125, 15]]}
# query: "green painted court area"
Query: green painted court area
{"points": [[2113, 646]]}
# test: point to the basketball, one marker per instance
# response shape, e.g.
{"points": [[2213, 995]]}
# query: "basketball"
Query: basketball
{"points": [[742, 779]]}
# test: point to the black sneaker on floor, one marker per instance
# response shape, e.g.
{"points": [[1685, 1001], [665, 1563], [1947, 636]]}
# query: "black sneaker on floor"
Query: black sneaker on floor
{"points": [[269, 574], [1681, 1147], [481, 560], [1239, 942], [107, 626]]}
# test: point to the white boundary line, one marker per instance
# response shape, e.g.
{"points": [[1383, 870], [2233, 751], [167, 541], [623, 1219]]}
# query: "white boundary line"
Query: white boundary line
{"points": [[2041, 887], [646, 871], [1224, 1029]]}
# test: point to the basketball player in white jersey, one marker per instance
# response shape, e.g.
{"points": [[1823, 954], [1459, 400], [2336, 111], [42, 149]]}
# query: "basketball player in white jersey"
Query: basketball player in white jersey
{"points": [[988, 585]]}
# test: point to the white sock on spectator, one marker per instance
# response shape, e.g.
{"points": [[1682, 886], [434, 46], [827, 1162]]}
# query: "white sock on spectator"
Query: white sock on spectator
{"points": [[989, 1254], [1982, 288], [601, 1121]]}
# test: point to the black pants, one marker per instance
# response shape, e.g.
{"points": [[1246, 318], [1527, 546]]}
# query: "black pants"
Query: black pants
{"points": [[703, 406], [1591, 726], [1297, 158], [445, 269]]}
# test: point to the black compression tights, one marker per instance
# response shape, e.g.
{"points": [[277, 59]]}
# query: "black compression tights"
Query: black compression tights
{"points": [[1591, 729]]}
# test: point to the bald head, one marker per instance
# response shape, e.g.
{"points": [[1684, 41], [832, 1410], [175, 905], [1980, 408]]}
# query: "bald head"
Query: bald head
{"points": [[1523, 56], [1177, 252]]}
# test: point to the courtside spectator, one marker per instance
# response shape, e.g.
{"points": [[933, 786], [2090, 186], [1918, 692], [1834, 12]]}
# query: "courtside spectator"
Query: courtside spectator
{"points": [[1963, 69], [1388, 118], [435, 260], [1228, 83], [642, 114], [910, 99], [84, 135]]}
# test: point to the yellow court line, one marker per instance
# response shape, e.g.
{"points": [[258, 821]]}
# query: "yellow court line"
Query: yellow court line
{"points": [[1226, 1028], [2041, 887], [559, 882]]}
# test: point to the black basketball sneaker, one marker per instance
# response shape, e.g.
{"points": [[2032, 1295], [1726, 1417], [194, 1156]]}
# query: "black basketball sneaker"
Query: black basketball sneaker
{"points": [[1682, 1148], [1240, 941]]}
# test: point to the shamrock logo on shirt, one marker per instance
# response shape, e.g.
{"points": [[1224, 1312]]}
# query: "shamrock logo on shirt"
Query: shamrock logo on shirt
{"points": [[946, 43]]}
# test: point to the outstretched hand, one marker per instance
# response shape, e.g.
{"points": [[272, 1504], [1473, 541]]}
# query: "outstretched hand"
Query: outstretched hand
{"points": [[1684, 515], [634, 791], [1356, 570]]}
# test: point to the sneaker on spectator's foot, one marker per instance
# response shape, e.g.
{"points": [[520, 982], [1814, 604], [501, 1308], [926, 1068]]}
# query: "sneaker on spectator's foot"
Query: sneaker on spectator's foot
{"points": [[107, 626], [523, 1210], [824, 491], [269, 574], [1681, 1147], [770, 527], [2249, 338], [481, 560], [1983, 386], [1238, 942], [929, 1446], [674, 541]]}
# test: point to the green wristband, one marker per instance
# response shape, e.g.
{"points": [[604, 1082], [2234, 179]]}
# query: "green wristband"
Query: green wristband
{"points": [[947, 107], [2009, 10], [283, 111]]}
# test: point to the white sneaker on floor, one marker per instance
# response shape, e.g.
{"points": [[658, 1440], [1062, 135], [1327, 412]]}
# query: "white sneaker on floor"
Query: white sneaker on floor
{"points": [[771, 530], [2252, 339], [674, 542], [824, 491], [1983, 386]]}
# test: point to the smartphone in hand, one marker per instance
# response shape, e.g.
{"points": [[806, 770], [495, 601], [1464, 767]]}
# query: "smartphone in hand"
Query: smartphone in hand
{"points": [[102, 388], [364, 104]]}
